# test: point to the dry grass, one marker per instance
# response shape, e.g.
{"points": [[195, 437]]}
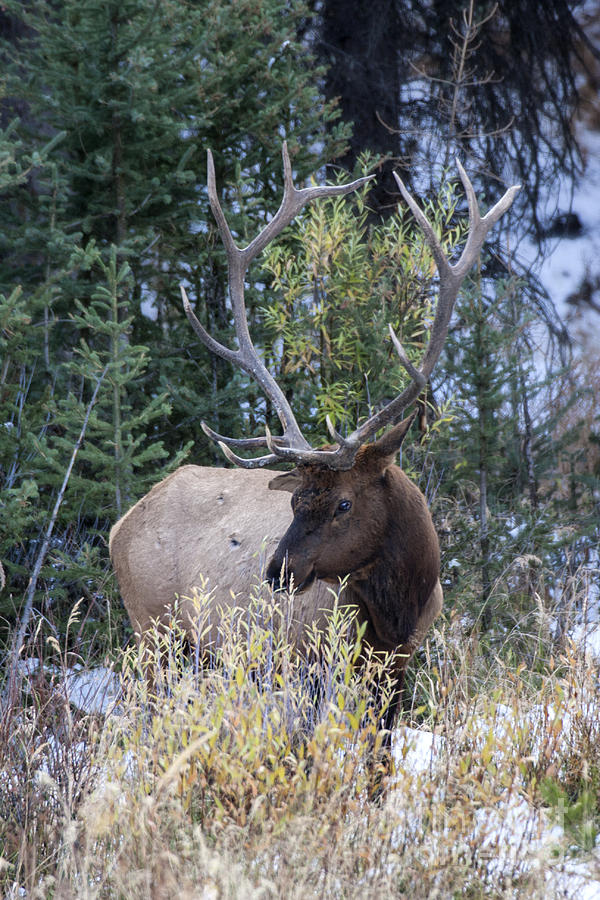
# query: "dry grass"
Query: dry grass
{"points": [[225, 783]]}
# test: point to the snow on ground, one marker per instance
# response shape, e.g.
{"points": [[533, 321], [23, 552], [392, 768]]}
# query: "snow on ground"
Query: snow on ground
{"points": [[416, 751], [92, 691], [587, 639], [518, 836], [569, 261]]}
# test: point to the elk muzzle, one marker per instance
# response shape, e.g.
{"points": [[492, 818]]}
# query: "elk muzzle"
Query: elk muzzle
{"points": [[292, 566], [282, 576]]}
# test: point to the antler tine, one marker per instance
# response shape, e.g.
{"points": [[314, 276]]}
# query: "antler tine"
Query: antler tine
{"points": [[213, 199], [293, 201], [238, 260], [239, 443], [439, 256], [333, 433], [417, 377], [478, 226], [256, 462], [342, 457], [213, 345]]}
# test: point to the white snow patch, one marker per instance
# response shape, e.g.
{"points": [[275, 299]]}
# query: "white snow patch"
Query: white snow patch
{"points": [[587, 639], [570, 260], [518, 836], [92, 690], [416, 751]]}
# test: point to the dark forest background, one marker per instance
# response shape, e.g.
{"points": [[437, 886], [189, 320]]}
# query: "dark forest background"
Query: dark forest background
{"points": [[106, 111]]}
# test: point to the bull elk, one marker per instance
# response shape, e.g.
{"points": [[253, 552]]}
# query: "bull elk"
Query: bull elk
{"points": [[354, 514]]}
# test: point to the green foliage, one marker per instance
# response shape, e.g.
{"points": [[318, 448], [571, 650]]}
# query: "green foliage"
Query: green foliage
{"points": [[338, 284], [232, 781], [103, 181], [141, 90], [579, 816], [499, 456], [105, 212], [38, 438], [120, 436], [252, 728]]}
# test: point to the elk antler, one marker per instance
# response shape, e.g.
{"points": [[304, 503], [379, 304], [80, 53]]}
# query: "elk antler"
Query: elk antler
{"points": [[292, 446], [451, 278], [238, 260]]}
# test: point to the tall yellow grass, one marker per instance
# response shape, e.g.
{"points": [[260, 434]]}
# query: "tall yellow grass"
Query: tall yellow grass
{"points": [[222, 777]]}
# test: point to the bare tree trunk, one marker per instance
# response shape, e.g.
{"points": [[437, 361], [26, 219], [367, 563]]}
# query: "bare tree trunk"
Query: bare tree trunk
{"points": [[484, 537], [360, 43], [26, 614], [484, 450], [117, 429], [528, 443]]}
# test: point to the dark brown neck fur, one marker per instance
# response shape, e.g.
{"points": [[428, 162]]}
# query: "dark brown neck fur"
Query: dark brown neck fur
{"points": [[392, 590]]}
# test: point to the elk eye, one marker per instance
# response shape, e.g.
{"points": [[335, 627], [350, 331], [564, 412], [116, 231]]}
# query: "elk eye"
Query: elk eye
{"points": [[344, 505]]}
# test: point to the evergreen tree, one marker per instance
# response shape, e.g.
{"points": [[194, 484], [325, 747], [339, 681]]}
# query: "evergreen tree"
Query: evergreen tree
{"points": [[131, 93], [494, 84], [500, 456], [141, 90], [499, 86], [28, 376], [479, 363]]}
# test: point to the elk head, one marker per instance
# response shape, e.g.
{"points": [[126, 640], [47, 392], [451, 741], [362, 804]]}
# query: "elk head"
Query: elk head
{"points": [[338, 491], [341, 516]]}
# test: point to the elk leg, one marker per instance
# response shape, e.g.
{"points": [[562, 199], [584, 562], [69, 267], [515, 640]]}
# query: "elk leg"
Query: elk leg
{"points": [[382, 762], [391, 713]]}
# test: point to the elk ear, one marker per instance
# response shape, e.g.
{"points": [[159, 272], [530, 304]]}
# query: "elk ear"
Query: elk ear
{"points": [[385, 449], [287, 481]]}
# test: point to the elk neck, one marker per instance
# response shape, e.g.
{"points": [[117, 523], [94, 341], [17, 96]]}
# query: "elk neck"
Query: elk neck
{"points": [[391, 589]]}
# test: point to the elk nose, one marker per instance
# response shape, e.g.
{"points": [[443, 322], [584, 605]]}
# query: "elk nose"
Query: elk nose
{"points": [[277, 574]]}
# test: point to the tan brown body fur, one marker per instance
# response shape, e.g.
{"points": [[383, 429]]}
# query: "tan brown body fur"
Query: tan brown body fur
{"points": [[218, 527]]}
